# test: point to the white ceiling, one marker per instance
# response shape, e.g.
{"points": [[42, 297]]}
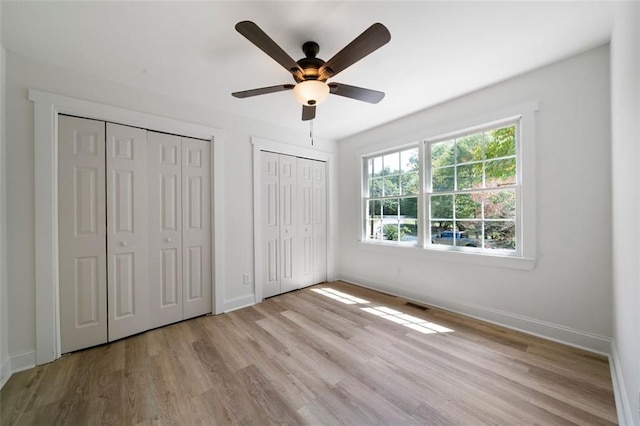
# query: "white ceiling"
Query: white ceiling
{"points": [[190, 50]]}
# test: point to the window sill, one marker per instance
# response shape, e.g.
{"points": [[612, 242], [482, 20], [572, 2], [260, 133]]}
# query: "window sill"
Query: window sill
{"points": [[440, 255]]}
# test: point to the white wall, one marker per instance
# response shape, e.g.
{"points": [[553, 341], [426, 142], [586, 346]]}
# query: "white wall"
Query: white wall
{"points": [[24, 73], [567, 295], [4, 315], [625, 130]]}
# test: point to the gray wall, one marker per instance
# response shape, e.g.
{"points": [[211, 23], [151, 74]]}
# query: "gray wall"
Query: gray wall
{"points": [[4, 314], [625, 130]]}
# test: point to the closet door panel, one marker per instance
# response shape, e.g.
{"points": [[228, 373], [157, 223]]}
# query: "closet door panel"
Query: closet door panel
{"points": [[81, 233], [127, 223], [164, 170], [270, 171], [288, 224], [305, 222], [319, 222], [196, 227]]}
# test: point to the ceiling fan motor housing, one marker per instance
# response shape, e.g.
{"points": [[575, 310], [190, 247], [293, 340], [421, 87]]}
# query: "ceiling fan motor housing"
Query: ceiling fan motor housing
{"points": [[310, 64]]}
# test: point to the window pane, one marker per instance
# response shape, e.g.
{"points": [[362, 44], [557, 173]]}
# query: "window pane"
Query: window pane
{"points": [[409, 219], [410, 183], [391, 185], [374, 219], [409, 207], [469, 234], [500, 172], [376, 166], [441, 207], [500, 235], [375, 187], [442, 179], [374, 229], [500, 204], [375, 209], [442, 154], [470, 176], [390, 208], [442, 232], [501, 142], [391, 163], [469, 148], [390, 232], [468, 206], [409, 160]]}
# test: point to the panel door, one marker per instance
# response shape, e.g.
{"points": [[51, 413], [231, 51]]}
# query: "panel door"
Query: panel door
{"points": [[319, 222], [270, 185], [305, 222], [164, 177], [288, 224], [196, 227], [127, 230], [81, 233]]}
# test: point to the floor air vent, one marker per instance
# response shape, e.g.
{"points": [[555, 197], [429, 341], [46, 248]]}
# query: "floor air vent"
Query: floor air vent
{"points": [[415, 305]]}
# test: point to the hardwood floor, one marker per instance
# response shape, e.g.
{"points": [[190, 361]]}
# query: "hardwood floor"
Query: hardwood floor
{"points": [[307, 357]]}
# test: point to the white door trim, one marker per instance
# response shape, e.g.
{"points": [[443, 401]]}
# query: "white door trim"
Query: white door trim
{"points": [[260, 145], [47, 106]]}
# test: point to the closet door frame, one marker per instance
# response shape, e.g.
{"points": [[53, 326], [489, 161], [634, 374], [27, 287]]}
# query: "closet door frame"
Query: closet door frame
{"points": [[47, 107], [260, 145]]}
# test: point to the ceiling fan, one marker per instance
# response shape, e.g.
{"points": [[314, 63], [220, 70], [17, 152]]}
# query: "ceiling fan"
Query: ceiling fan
{"points": [[311, 73]]}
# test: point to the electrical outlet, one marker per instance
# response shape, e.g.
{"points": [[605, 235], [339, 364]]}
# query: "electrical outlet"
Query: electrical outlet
{"points": [[246, 279]]}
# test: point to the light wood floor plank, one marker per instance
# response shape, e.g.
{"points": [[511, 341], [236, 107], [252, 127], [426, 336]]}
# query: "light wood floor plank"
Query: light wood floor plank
{"points": [[306, 358]]}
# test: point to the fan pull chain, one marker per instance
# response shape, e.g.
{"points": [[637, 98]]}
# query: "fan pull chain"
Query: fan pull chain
{"points": [[311, 131]]}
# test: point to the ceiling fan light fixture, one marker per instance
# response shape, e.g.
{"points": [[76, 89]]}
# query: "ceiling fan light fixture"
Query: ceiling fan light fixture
{"points": [[311, 92]]}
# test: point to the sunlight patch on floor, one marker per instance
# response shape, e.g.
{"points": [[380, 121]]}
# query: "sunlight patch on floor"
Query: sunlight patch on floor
{"points": [[345, 298], [414, 323]]}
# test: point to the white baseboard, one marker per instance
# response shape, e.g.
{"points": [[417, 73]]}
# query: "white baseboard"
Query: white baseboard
{"points": [[23, 361], [238, 303], [5, 372], [16, 364], [623, 407], [559, 333]]}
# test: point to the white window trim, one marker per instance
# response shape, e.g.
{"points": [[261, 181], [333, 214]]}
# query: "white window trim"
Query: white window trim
{"points": [[47, 106], [507, 122], [526, 175]]}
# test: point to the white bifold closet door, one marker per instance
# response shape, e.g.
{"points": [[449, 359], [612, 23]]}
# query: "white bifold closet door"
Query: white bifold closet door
{"points": [[319, 219], [294, 226], [134, 230], [127, 241], [196, 228], [81, 233], [305, 221], [179, 228]]}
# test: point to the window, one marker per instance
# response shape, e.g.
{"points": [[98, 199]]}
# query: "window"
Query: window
{"points": [[391, 196], [461, 192], [473, 190]]}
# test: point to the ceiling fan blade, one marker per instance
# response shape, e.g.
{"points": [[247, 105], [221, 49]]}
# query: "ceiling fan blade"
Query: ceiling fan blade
{"points": [[308, 112], [374, 37], [255, 35], [263, 90], [353, 92]]}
